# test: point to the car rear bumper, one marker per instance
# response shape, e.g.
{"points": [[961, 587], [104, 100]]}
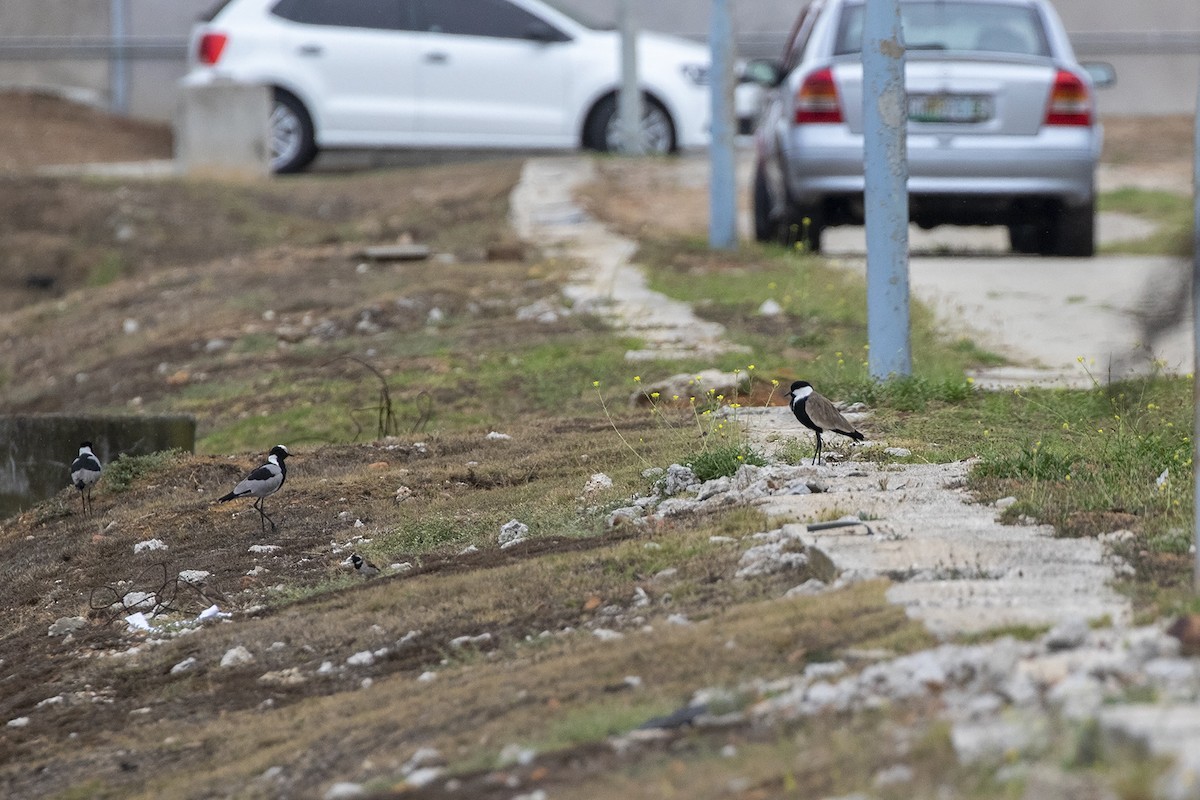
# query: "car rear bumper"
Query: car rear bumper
{"points": [[1058, 163]]}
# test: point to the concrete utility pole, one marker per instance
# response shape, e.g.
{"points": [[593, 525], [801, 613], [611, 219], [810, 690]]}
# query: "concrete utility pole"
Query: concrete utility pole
{"points": [[629, 100], [1196, 345], [722, 192], [118, 67], [885, 122]]}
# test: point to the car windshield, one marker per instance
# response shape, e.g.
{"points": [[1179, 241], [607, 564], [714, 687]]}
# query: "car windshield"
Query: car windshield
{"points": [[578, 16], [955, 26]]}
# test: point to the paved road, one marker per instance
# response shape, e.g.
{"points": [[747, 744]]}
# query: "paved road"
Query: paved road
{"points": [[1048, 313], [1043, 314]]}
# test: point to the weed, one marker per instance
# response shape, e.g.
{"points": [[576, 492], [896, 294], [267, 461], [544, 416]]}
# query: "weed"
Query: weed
{"points": [[722, 460], [124, 470]]}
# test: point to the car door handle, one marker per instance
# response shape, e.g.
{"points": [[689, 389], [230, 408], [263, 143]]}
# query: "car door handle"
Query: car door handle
{"points": [[311, 49], [436, 57]]}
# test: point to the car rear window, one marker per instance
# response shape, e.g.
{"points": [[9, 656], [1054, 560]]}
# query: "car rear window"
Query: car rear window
{"points": [[955, 26]]}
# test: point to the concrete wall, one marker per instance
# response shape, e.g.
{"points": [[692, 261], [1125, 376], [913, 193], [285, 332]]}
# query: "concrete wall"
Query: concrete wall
{"points": [[1156, 49]]}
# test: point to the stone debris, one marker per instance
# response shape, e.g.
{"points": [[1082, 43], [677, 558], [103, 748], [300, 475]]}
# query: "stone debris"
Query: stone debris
{"points": [[149, 545], [512, 533], [236, 657], [64, 626]]}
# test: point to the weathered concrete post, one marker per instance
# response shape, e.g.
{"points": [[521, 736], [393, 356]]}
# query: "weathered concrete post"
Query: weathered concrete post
{"points": [[885, 122], [224, 130]]}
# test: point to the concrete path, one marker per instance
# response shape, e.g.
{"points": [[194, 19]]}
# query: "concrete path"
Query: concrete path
{"points": [[955, 567], [608, 284]]}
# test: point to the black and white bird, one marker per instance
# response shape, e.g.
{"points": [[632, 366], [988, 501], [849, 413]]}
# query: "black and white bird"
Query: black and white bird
{"points": [[818, 414], [363, 567], [85, 471], [262, 482]]}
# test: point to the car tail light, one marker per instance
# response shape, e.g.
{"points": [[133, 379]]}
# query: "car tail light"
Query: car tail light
{"points": [[817, 99], [1070, 102], [211, 46]]}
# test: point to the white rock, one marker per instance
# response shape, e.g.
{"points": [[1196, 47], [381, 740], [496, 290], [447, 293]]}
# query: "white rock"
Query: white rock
{"points": [[187, 665], [423, 776], [496, 436], [65, 625], [145, 600], [679, 479], [606, 635], [1068, 634], [511, 531], [148, 545], [809, 588], [19, 722], [236, 657], [898, 452], [893, 775], [263, 548], [344, 790], [598, 483], [364, 658], [194, 576], [770, 308]]}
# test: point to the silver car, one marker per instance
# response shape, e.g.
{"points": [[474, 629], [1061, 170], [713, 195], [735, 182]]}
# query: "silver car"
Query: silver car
{"points": [[1002, 126]]}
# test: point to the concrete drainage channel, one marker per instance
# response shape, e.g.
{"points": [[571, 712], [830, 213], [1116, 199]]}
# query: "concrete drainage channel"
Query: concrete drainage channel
{"points": [[953, 566]]}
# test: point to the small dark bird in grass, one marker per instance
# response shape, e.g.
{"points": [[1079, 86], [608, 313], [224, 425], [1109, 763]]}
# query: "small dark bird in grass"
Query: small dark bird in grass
{"points": [[262, 482], [85, 471], [818, 414], [363, 567]]}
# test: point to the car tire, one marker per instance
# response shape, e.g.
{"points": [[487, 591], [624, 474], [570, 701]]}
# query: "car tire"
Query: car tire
{"points": [[1075, 231], [764, 229], [293, 145], [602, 130], [801, 228], [1028, 237]]}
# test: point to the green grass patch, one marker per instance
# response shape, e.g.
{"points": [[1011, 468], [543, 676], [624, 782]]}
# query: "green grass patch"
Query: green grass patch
{"points": [[1173, 213], [121, 474]]}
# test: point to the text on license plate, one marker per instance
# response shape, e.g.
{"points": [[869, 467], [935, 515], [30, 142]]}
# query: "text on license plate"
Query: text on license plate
{"points": [[949, 107]]}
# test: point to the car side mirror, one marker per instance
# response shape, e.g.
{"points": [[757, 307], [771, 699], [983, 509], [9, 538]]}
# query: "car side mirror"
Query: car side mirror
{"points": [[1102, 73], [764, 72]]}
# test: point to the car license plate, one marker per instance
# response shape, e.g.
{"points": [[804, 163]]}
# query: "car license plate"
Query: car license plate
{"points": [[949, 107]]}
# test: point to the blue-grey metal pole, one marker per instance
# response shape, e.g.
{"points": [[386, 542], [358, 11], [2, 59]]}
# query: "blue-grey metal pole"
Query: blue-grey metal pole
{"points": [[1196, 346], [885, 165], [722, 189], [629, 99], [118, 76]]}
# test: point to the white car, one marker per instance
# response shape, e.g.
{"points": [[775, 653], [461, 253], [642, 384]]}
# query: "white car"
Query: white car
{"points": [[446, 74]]}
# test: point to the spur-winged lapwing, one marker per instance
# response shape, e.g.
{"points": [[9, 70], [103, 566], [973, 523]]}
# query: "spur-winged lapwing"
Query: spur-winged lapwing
{"points": [[363, 567], [85, 471], [817, 413], [262, 482]]}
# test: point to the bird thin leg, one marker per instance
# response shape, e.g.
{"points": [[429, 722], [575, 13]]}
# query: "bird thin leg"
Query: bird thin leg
{"points": [[264, 517], [817, 455]]}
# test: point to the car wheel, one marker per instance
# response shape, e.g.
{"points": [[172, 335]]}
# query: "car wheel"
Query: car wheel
{"points": [[1028, 237], [763, 228], [603, 129], [1075, 231], [293, 146], [801, 228]]}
